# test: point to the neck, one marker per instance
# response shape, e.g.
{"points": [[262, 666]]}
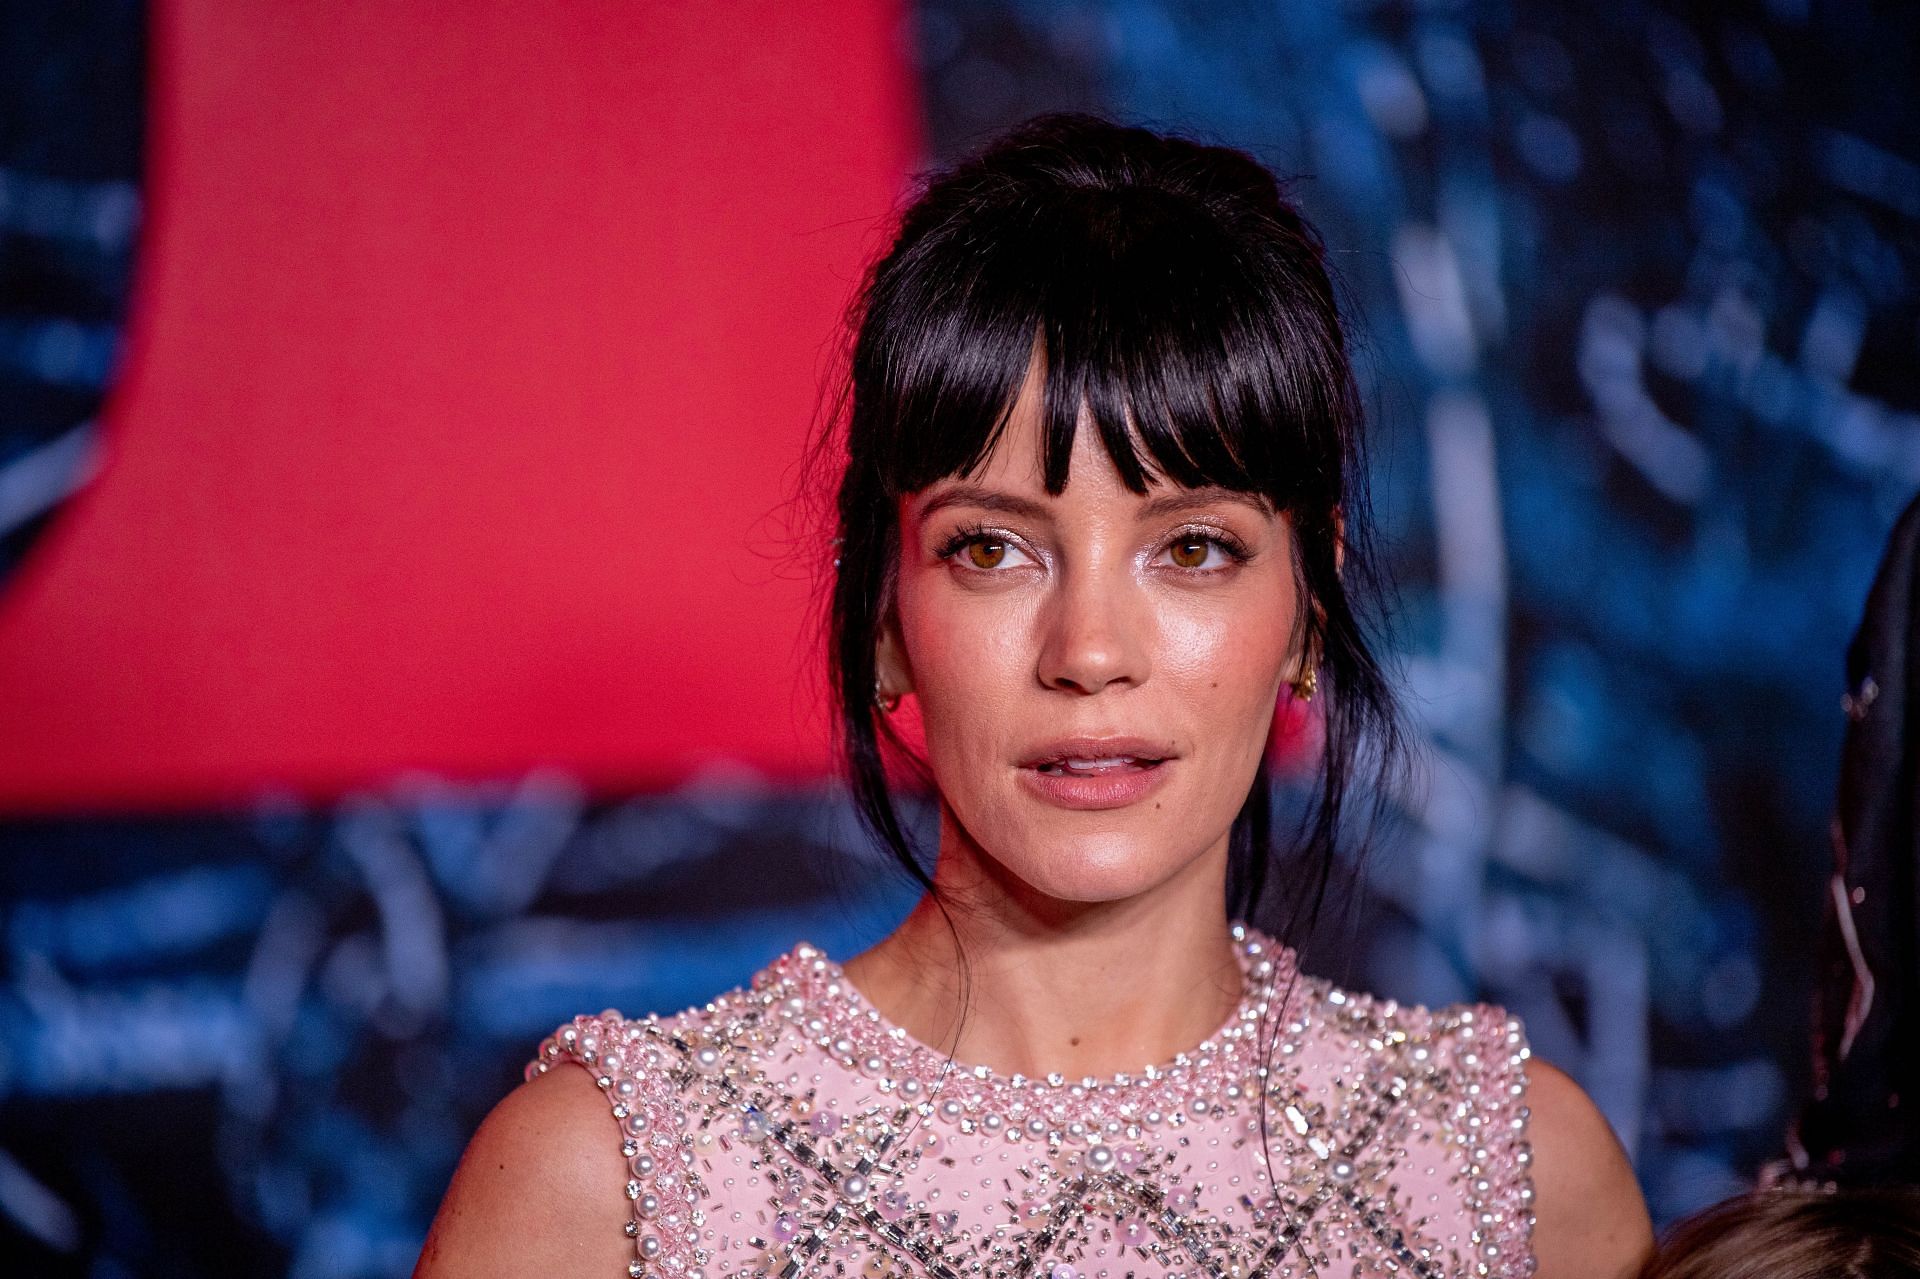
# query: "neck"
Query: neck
{"points": [[1006, 979]]}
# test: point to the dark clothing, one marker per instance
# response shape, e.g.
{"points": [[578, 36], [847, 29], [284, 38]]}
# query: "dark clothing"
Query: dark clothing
{"points": [[1862, 1125]]}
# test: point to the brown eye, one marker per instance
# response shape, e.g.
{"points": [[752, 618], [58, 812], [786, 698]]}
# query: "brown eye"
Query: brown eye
{"points": [[1191, 552], [986, 554]]}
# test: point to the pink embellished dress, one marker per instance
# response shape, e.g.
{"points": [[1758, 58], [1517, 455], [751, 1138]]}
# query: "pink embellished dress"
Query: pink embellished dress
{"points": [[787, 1129]]}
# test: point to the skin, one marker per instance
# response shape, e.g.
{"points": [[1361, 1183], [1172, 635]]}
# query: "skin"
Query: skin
{"points": [[1095, 941], [1099, 939]]}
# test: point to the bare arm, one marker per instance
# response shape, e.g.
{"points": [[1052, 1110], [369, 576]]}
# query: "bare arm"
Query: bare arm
{"points": [[1590, 1221], [539, 1191]]}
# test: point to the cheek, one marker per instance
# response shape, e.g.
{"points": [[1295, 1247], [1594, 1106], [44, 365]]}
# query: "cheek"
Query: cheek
{"points": [[968, 654], [1232, 659]]}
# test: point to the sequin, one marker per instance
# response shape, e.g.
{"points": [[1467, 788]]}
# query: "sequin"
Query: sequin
{"points": [[1319, 1131]]}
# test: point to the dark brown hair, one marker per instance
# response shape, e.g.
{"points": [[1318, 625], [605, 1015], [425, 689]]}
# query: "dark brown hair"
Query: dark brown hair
{"points": [[1867, 1233]]}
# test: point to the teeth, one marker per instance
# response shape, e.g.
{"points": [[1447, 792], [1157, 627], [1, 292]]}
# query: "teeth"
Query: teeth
{"points": [[1113, 761]]}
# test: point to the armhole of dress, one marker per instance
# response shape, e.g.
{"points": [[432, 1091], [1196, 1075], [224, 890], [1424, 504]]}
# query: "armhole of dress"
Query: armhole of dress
{"points": [[1504, 1056], [626, 1063]]}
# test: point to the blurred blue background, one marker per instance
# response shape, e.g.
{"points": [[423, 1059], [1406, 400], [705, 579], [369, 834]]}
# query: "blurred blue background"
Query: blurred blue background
{"points": [[1634, 286]]}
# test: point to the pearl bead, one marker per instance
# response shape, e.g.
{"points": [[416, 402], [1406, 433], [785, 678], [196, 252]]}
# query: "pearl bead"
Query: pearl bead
{"points": [[881, 1130]]}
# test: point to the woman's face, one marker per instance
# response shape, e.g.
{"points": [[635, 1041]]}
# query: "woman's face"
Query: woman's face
{"points": [[1097, 672]]}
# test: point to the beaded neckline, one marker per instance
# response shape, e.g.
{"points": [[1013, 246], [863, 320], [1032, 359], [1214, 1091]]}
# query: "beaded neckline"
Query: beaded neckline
{"points": [[813, 993], [825, 1134]]}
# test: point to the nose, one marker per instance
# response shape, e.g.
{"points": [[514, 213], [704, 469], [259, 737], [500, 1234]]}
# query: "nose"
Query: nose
{"points": [[1094, 632]]}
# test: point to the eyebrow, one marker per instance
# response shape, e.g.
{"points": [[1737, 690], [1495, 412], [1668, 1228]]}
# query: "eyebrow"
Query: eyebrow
{"points": [[981, 496], [1170, 503], [1179, 500]]}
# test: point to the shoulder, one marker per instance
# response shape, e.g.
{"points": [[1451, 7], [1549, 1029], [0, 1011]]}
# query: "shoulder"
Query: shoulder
{"points": [[1540, 1156], [576, 1164], [540, 1184], [1590, 1220]]}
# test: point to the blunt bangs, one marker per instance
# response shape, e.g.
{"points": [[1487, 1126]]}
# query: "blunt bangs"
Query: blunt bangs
{"points": [[1198, 351]]}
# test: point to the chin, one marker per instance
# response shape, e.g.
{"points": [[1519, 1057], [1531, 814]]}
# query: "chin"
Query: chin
{"points": [[1093, 870]]}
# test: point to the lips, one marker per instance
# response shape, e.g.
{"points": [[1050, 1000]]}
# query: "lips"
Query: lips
{"points": [[1097, 772], [1099, 753], [1095, 765]]}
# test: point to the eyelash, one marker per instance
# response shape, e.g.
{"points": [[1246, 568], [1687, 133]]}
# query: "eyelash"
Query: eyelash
{"points": [[1231, 546], [965, 537], [1236, 550]]}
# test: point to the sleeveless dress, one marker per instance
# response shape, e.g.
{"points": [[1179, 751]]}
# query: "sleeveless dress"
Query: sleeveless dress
{"points": [[787, 1129]]}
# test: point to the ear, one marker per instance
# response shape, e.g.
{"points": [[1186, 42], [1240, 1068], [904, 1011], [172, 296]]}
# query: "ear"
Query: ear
{"points": [[1339, 539], [890, 667]]}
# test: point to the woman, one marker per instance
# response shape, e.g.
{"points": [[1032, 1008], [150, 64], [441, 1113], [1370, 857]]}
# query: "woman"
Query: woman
{"points": [[1102, 495]]}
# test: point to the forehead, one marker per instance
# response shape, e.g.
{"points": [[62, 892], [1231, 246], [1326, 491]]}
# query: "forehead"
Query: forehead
{"points": [[1011, 480], [1017, 458], [1088, 425]]}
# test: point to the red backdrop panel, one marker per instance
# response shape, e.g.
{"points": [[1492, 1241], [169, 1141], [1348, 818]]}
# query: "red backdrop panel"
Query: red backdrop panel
{"points": [[473, 349]]}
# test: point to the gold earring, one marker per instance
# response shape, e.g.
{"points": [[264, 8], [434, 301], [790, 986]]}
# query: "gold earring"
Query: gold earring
{"points": [[885, 701], [1303, 687]]}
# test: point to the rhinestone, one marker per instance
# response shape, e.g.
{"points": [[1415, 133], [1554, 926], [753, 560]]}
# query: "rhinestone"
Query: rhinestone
{"points": [[868, 1123]]}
